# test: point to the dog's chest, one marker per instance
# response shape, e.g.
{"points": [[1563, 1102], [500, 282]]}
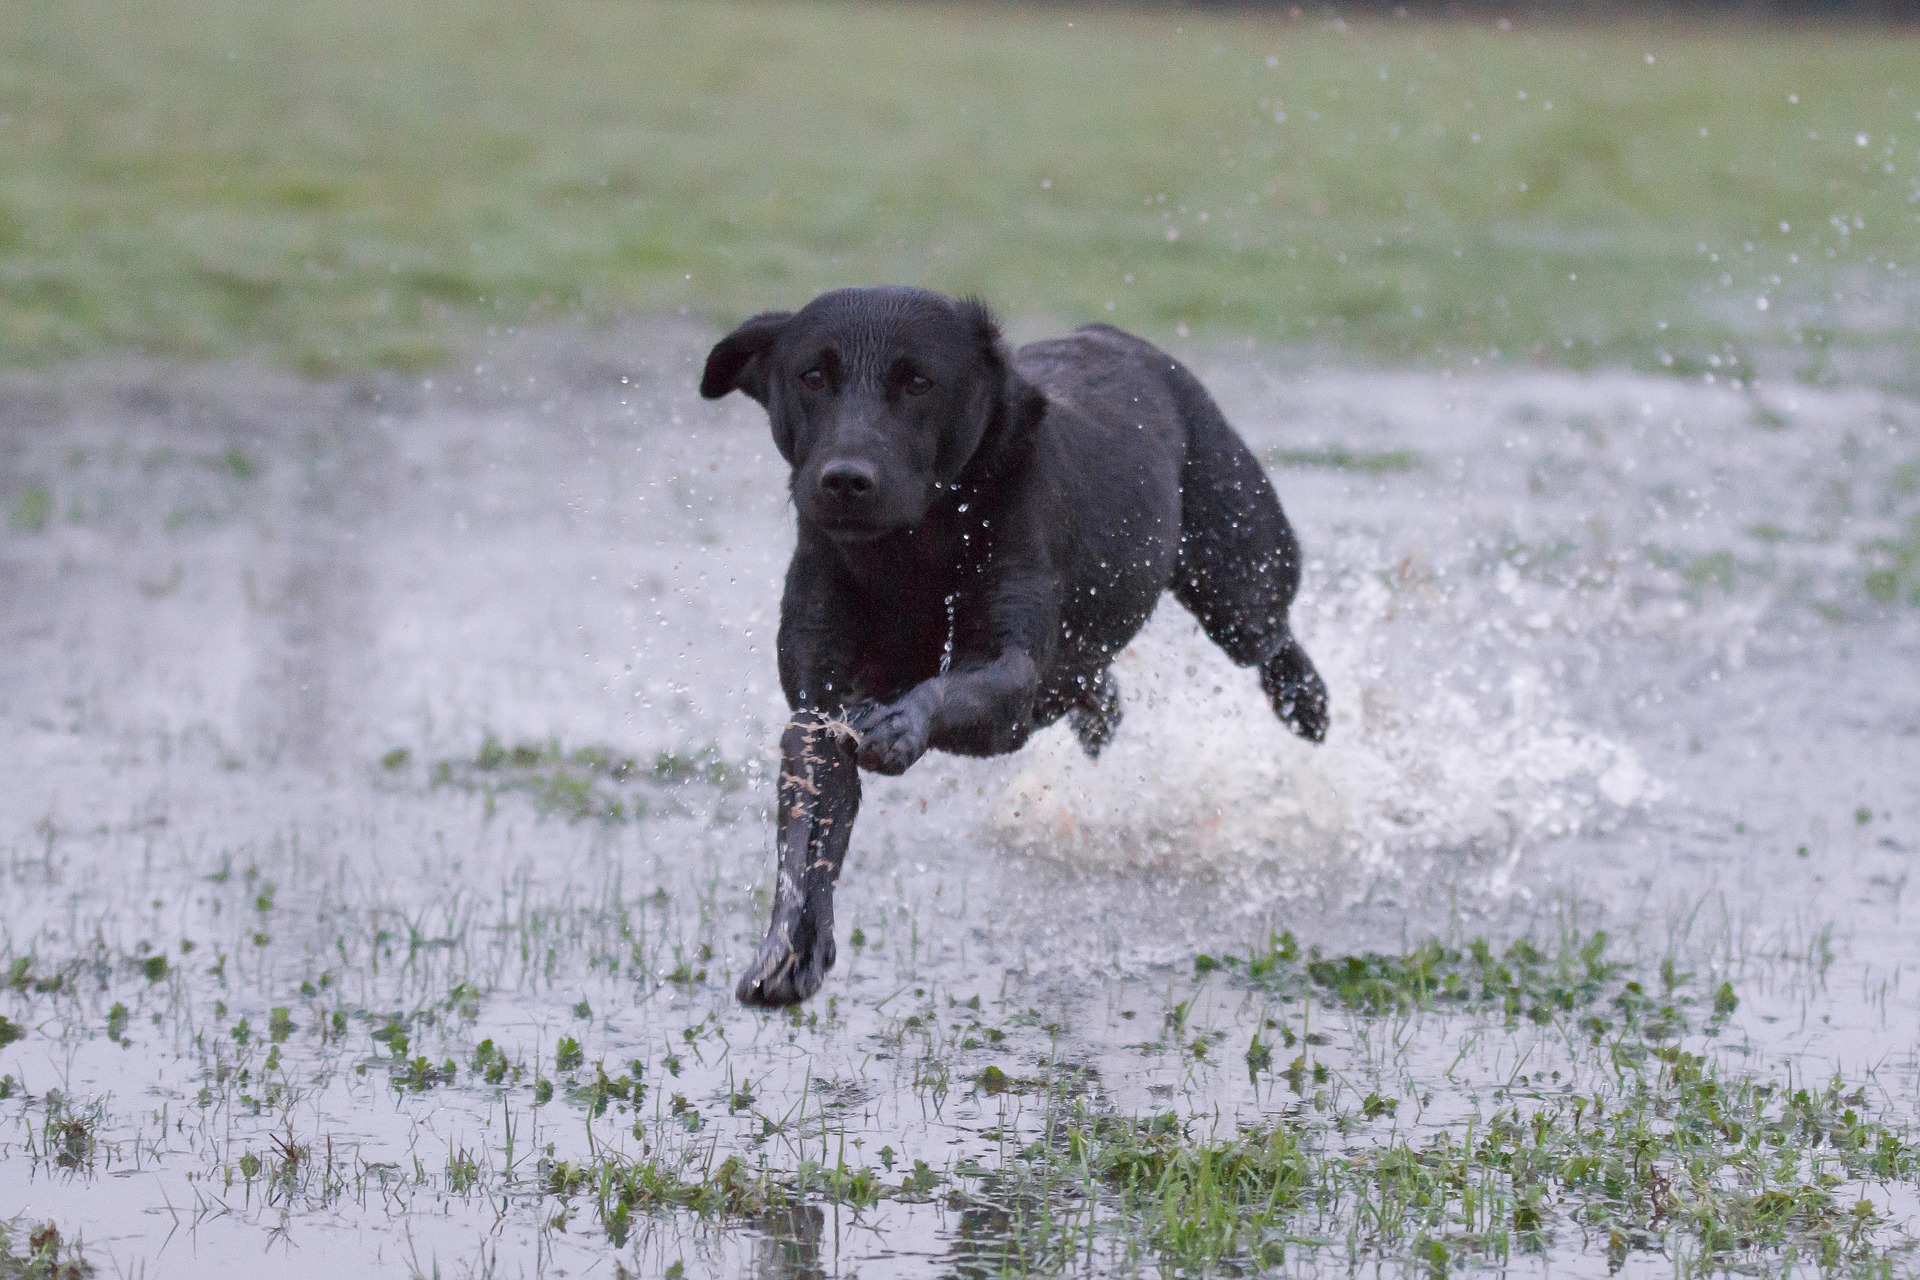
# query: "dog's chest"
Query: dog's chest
{"points": [[924, 602], [908, 639]]}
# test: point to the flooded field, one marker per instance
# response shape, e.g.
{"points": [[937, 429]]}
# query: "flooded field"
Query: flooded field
{"points": [[389, 816]]}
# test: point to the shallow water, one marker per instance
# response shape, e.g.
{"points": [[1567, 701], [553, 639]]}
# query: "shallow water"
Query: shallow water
{"points": [[1601, 648]]}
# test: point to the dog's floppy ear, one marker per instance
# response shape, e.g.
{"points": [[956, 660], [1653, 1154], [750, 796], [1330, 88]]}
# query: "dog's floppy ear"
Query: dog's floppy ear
{"points": [[738, 361], [1017, 405]]}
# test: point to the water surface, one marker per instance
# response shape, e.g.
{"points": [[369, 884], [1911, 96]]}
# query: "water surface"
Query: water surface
{"points": [[1607, 650]]}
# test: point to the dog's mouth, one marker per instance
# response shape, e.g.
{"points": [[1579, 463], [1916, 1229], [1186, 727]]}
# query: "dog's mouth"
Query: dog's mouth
{"points": [[857, 533]]}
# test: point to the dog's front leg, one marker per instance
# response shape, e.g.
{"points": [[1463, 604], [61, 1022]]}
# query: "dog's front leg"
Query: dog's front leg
{"points": [[979, 710], [819, 794]]}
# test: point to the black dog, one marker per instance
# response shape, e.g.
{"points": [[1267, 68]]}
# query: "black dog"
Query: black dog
{"points": [[980, 533]]}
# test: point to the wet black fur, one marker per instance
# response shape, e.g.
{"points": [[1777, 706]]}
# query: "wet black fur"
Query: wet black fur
{"points": [[980, 532]]}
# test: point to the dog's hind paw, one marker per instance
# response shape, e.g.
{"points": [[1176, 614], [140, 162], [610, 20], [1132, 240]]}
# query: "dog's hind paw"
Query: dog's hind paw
{"points": [[1298, 694], [1096, 716]]}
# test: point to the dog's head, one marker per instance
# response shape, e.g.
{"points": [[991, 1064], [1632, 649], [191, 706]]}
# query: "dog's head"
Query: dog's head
{"points": [[879, 399]]}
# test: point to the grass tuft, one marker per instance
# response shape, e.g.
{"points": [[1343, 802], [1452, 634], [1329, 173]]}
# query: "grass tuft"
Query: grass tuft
{"points": [[36, 1251], [1895, 577], [1521, 980]]}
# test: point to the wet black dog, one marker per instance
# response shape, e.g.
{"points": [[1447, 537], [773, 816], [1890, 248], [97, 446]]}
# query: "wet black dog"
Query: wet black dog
{"points": [[980, 533]]}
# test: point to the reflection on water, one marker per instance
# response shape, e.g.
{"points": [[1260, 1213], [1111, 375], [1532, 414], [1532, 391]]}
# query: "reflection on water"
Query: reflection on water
{"points": [[1599, 638], [790, 1249]]}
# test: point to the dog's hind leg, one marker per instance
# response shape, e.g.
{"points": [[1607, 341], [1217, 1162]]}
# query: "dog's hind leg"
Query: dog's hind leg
{"points": [[1096, 712], [1239, 562]]}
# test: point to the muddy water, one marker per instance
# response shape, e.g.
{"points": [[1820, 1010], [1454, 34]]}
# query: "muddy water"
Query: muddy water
{"points": [[1601, 647]]}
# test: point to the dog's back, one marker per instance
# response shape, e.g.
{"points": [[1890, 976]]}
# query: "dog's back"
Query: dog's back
{"points": [[1165, 495], [1112, 448]]}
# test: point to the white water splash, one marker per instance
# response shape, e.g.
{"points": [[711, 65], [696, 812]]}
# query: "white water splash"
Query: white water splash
{"points": [[1203, 776]]}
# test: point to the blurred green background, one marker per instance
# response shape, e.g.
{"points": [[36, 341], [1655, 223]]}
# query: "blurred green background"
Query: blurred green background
{"points": [[344, 184]]}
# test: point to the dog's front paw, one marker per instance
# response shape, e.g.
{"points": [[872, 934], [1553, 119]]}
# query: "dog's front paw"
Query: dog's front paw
{"points": [[893, 736], [788, 968]]}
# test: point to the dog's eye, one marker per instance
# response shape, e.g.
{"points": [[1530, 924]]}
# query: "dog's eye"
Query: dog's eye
{"points": [[814, 380], [918, 385]]}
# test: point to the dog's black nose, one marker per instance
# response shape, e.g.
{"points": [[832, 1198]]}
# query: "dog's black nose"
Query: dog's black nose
{"points": [[847, 479]]}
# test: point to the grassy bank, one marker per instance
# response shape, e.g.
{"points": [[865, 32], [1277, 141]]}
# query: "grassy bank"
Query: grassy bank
{"points": [[349, 184]]}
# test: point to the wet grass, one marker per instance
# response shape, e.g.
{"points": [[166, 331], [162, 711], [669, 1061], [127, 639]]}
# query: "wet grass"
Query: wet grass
{"points": [[1641, 1146], [1338, 458], [1634, 1133], [1895, 577], [1519, 980], [1570, 1095], [346, 184], [578, 783], [1718, 1172], [35, 1251]]}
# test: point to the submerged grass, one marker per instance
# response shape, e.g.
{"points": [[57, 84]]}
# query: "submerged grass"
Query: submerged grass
{"points": [[1339, 458], [1644, 1146], [1895, 577], [1631, 1135], [352, 184], [35, 1251], [579, 783], [1718, 1171], [1520, 981]]}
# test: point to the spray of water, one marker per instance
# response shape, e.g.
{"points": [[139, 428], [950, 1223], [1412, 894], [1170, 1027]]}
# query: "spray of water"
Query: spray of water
{"points": [[1417, 766]]}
